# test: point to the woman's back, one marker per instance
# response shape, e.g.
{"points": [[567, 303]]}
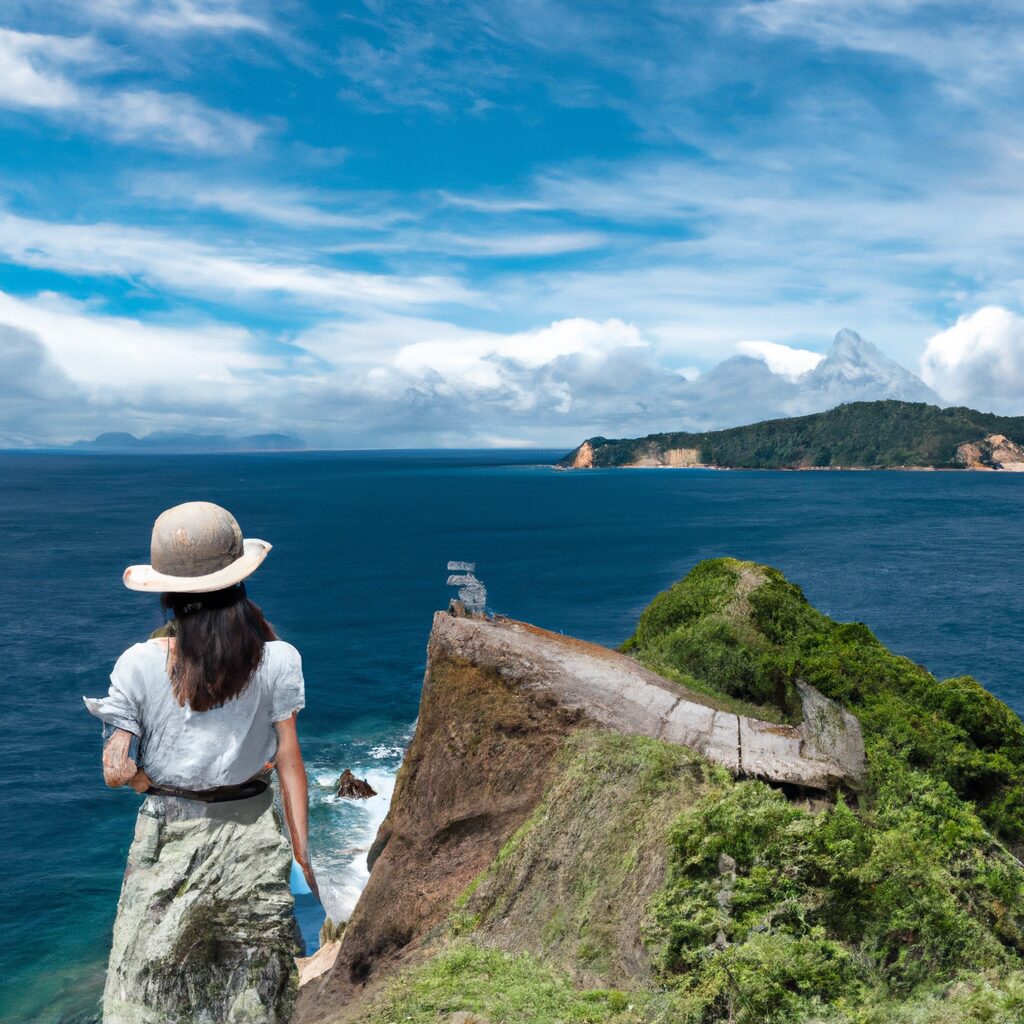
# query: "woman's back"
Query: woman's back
{"points": [[179, 747]]}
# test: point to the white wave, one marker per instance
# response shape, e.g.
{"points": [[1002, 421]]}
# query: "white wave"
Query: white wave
{"points": [[382, 751], [340, 862]]}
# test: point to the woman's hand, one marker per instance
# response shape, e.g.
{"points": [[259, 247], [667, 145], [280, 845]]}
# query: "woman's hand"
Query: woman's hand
{"points": [[295, 793], [307, 873], [118, 768]]}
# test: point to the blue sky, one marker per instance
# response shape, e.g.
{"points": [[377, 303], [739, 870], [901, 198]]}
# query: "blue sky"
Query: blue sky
{"points": [[493, 223]]}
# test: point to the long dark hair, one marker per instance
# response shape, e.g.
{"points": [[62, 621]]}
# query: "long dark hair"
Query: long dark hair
{"points": [[219, 640]]}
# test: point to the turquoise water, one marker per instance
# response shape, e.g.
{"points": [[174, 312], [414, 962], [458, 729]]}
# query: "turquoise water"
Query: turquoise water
{"points": [[361, 541]]}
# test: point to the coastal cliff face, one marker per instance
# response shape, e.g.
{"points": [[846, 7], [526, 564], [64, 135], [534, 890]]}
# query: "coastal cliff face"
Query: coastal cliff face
{"points": [[650, 457], [476, 768], [993, 452], [575, 835]]}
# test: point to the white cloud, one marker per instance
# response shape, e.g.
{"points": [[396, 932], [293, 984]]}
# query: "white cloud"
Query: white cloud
{"points": [[502, 243], [979, 361], [194, 268], [174, 16], [288, 207], [476, 357], [30, 75], [782, 359], [34, 76], [392, 351], [494, 205], [966, 53], [119, 356], [170, 119]]}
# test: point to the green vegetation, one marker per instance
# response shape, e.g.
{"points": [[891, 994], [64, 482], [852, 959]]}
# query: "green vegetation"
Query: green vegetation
{"points": [[869, 434], [747, 631], [500, 987], [650, 887], [573, 881], [852, 907]]}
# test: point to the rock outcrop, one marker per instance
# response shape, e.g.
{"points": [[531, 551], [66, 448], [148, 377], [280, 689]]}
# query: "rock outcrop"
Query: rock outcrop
{"points": [[993, 452], [475, 770], [582, 457], [669, 458], [499, 699], [352, 788]]}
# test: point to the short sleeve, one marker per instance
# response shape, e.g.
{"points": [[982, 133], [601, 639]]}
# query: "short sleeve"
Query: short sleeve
{"points": [[288, 693], [122, 707]]}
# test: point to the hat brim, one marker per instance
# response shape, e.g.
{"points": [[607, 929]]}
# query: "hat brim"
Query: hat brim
{"points": [[146, 578]]}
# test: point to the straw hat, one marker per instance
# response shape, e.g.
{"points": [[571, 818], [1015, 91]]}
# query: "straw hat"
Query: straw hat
{"points": [[197, 547]]}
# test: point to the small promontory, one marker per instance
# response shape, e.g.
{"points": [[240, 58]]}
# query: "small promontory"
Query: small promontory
{"points": [[859, 435], [749, 813]]}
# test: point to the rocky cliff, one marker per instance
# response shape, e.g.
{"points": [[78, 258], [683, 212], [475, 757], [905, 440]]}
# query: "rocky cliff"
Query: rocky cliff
{"points": [[993, 452], [690, 830]]}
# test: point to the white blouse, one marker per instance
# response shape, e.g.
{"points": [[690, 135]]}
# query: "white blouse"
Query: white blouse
{"points": [[200, 749]]}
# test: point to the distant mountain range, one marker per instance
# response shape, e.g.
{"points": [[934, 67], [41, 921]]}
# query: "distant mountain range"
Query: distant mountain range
{"points": [[175, 442], [853, 370], [863, 435]]}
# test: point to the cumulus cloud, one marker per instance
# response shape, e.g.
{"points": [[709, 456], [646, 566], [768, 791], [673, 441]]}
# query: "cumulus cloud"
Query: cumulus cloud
{"points": [[34, 391], [781, 359], [979, 361], [110, 357]]}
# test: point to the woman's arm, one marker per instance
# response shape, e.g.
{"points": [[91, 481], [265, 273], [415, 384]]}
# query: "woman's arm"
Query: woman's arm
{"points": [[118, 768], [295, 792]]}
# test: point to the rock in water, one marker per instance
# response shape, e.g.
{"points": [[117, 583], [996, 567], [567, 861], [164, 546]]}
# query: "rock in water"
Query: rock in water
{"points": [[350, 786]]}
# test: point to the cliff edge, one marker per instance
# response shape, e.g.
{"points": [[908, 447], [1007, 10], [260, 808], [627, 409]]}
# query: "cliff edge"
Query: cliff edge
{"points": [[749, 813]]}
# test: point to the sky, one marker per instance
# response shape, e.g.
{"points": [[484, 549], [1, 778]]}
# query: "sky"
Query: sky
{"points": [[518, 222]]}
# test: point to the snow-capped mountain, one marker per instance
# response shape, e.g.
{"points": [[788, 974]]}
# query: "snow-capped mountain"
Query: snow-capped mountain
{"points": [[744, 389], [857, 370]]}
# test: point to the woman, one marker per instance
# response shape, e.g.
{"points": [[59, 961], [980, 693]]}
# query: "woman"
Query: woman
{"points": [[197, 720]]}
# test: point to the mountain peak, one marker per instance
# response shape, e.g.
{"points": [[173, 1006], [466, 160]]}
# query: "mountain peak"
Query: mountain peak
{"points": [[849, 345], [855, 370]]}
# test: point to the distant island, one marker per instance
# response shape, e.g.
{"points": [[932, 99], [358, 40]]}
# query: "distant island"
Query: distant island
{"points": [[858, 435], [116, 440]]}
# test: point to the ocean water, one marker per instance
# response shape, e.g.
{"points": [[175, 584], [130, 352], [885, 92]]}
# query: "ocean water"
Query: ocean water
{"points": [[930, 561]]}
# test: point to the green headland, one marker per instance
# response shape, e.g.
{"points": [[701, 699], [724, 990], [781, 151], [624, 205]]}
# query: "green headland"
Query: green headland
{"points": [[860, 435]]}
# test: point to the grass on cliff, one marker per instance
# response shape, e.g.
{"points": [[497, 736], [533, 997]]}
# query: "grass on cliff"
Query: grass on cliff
{"points": [[500, 988], [489, 986], [572, 883]]}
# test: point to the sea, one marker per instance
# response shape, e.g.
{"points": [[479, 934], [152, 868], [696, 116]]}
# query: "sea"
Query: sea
{"points": [[932, 562]]}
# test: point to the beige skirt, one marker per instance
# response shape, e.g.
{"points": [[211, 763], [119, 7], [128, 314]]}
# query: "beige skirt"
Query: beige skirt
{"points": [[205, 930]]}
